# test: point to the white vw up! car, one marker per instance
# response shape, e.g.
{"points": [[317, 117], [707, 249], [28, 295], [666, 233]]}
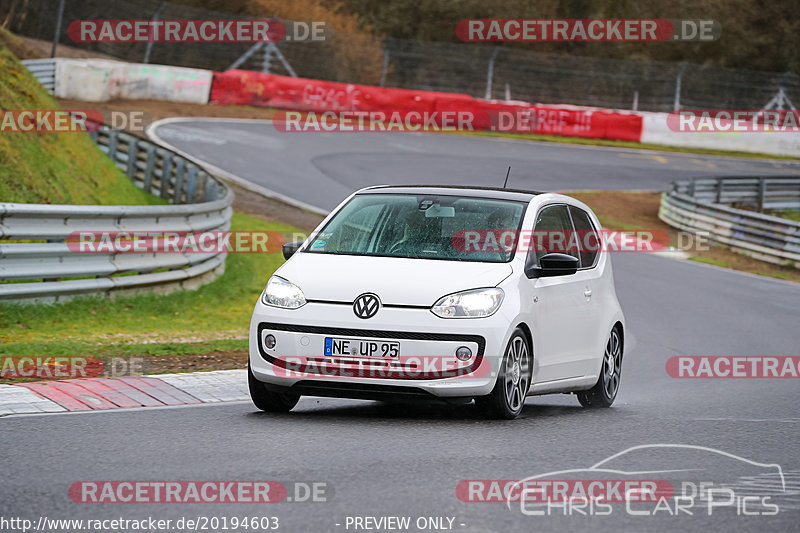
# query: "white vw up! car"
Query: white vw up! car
{"points": [[455, 293]]}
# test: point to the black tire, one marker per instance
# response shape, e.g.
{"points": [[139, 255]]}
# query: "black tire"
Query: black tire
{"points": [[268, 401], [508, 396], [605, 390]]}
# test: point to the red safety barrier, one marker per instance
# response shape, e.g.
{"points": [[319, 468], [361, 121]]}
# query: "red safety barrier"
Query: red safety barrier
{"points": [[567, 121], [241, 87]]}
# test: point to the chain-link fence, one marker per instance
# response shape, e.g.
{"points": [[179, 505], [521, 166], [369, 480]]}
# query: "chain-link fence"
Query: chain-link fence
{"points": [[476, 69]]}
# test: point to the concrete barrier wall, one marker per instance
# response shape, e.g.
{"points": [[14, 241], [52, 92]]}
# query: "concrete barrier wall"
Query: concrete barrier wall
{"points": [[98, 80], [156, 82], [89, 81]]}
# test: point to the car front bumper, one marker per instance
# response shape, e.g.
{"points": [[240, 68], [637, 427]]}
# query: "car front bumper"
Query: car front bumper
{"points": [[427, 365]]}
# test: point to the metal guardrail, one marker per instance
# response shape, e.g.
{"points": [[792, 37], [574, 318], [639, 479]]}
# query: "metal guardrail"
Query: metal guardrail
{"points": [[48, 270], [759, 193], [44, 70], [698, 206]]}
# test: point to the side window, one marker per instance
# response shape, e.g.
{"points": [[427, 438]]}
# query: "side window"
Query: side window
{"points": [[553, 233], [588, 238]]}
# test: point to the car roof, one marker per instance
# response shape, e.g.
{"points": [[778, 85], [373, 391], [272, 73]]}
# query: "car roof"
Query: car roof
{"points": [[460, 190]]}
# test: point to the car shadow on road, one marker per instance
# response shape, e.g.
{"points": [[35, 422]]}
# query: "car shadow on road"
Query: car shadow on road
{"points": [[418, 411]]}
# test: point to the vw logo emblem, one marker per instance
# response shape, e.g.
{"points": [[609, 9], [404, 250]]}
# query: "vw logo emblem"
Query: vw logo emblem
{"points": [[366, 305]]}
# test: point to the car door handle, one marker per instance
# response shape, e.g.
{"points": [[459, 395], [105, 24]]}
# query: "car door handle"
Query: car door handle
{"points": [[588, 293]]}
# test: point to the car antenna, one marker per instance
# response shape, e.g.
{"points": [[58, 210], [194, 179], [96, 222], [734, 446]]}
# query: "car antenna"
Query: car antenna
{"points": [[507, 174]]}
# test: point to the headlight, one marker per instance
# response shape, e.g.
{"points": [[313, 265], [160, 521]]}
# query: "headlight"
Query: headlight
{"points": [[283, 293], [469, 304]]}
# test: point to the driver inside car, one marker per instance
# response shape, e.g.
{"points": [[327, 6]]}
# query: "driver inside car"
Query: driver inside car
{"points": [[418, 235]]}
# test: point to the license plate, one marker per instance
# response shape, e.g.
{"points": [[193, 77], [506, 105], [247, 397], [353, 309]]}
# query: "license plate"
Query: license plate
{"points": [[335, 346]]}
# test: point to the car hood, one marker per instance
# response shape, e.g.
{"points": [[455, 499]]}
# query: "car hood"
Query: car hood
{"points": [[396, 281]]}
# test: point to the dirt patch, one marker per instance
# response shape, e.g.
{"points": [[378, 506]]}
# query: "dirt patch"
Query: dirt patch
{"points": [[618, 209], [19, 47], [210, 361], [37, 49], [272, 210], [157, 364]]}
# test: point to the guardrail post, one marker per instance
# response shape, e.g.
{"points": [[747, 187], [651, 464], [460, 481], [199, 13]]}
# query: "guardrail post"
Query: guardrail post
{"points": [[133, 149], [113, 138], [209, 192], [191, 183], [762, 193], [180, 170], [692, 187], [166, 176], [719, 190], [149, 169]]}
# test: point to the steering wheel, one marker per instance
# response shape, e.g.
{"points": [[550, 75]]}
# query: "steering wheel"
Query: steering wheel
{"points": [[398, 246]]}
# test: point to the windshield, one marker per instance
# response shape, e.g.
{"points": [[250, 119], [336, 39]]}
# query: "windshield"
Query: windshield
{"points": [[419, 226]]}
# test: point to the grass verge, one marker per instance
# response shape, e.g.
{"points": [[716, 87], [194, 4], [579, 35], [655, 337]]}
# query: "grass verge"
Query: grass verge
{"points": [[48, 167], [794, 216]]}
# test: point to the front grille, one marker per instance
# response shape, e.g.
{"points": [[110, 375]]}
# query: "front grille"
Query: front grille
{"points": [[352, 332]]}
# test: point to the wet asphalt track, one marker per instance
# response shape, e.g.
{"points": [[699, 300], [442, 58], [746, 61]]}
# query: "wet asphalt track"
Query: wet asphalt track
{"points": [[387, 460]]}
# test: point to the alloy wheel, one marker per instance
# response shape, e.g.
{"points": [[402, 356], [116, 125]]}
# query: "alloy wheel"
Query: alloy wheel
{"points": [[517, 373]]}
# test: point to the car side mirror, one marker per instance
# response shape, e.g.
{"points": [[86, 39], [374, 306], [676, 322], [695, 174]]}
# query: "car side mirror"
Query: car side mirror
{"points": [[551, 265], [290, 248]]}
